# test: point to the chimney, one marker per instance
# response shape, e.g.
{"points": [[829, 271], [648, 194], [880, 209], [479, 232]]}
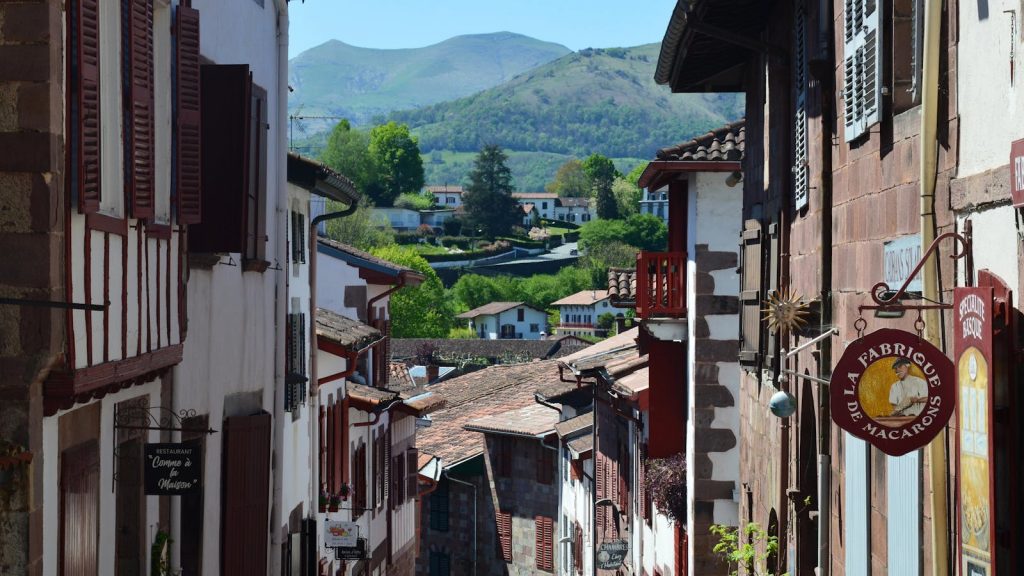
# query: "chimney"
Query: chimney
{"points": [[432, 372]]}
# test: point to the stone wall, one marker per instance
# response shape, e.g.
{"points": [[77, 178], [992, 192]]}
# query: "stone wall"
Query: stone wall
{"points": [[32, 242]]}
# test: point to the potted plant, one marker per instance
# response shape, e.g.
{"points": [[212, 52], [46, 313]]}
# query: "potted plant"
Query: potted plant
{"points": [[333, 502], [324, 497], [346, 491]]}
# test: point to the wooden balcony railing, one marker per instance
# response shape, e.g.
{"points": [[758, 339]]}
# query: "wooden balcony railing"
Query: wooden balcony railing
{"points": [[661, 284]]}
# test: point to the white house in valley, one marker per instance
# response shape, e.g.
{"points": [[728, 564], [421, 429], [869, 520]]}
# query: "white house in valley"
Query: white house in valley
{"points": [[507, 320], [578, 313]]}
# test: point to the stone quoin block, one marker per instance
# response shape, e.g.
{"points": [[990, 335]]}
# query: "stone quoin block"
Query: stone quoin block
{"points": [[713, 396], [26, 63], [716, 350], [708, 260], [25, 22], [708, 304], [24, 151], [715, 440]]}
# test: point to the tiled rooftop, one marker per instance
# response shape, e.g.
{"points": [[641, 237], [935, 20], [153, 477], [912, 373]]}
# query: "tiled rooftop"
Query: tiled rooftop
{"points": [[622, 285], [532, 420], [724, 144], [584, 298], [421, 349], [575, 425], [367, 396], [491, 308], [344, 331], [399, 379], [492, 391], [368, 258], [581, 445]]}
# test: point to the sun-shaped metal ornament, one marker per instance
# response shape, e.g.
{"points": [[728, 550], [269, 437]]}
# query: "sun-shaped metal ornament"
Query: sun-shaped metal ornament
{"points": [[785, 311]]}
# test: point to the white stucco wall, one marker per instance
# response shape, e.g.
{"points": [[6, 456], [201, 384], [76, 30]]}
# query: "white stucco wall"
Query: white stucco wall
{"points": [[491, 324]]}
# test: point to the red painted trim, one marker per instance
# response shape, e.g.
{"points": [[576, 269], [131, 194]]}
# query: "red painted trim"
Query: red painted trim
{"points": [[138, 288], [333, 377], [167, 290], [149, 307], [161, 231], [69, 206], [106, 297], [124, 297], [659, 167], [104, 223], [87, 250], [63, 388], [182, 266], [157, 290]]}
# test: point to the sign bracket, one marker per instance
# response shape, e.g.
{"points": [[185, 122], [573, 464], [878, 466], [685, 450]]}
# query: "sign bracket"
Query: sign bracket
{"points": [[141, 417]]}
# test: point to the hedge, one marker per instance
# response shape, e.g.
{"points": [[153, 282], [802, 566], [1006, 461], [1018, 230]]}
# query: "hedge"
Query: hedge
{"points": [[471, 255], [522, 243]]}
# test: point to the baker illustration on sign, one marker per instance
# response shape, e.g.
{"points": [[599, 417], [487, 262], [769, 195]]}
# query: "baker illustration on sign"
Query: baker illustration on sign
{"points": [[899, 414], [909, 393]]}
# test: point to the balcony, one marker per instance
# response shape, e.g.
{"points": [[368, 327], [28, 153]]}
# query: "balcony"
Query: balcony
{"points": [[661, 285]]}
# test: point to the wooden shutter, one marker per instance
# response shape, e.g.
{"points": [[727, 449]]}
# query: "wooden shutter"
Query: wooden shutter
{"points": [[255, 200], [246, 501], [544, 533], [601, 489], [800, 158], [862, 46], [226, 96], [360, 480], [141, 125], [750, 293], [337, 452], [439, 508], [505, 535], [79, 509], [396, 491], [189, 120], [577, 549], [412, 486], [323, 447], [290, 363], [385, 462], [545, 465], [344, 451], [85, 41], [374, 471]]}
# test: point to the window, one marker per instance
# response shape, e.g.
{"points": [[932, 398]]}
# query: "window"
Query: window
{"points": [[520, 315], [84, 104], [800, 168], [360, 481], [504, 521], [862, 45], [545, 465], [907, 52], [544, 532], [577, 549], [534, 328], [750, 294], [439, 501], [295, 363], [440, 564], [298, 238], [544, 205]]}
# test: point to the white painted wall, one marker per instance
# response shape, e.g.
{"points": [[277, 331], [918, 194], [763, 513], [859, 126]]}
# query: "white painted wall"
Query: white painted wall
{"points": [[994, 226], [490, 324], [399, 218]]}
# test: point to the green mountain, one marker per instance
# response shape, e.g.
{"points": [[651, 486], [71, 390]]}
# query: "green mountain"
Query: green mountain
{"points": [[335, 79], [594, 100]]}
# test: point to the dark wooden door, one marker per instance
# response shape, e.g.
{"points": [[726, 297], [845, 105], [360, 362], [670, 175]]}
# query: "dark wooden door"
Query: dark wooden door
{"points": [[79, 509], [245, 519], [130, 506]]}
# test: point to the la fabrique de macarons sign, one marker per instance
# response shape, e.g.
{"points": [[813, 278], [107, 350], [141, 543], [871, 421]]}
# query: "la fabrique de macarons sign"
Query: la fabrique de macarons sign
{"points": [[894, 390]]}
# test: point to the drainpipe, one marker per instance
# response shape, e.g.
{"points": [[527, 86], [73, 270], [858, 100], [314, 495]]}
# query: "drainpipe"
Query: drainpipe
{"points": [[473, 486], [929, 164]]}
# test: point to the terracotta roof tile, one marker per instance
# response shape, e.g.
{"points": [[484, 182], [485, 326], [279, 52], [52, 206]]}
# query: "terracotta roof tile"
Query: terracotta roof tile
{"points": [[344, 331], [584, 298], [424, 402], [368, 396], [574, 426], [399, 379], [622, 285], [532, 420], [534, 196], [358, 257], [443, 350], [492, 391], [492, 308], [569, 202], [581, 445], [446, 189], [723, 144]]}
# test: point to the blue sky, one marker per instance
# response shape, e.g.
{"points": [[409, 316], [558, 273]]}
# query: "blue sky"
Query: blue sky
{"points": [[414, 23]]}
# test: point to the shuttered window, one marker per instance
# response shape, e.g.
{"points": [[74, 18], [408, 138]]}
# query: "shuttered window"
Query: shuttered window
{"points": [[322, 459], [397, 492], [800, 159], [188, 125], [338, 438], [439, 508], [504, 520], [298, 238], [862, 71], [360, 481], [750, 294], [544, 536], [226, 94], [440, 564], [601, 489], [295, 362], [84, 103], [246, 489], [412, 472], [577, 549], [139, 123], [256, 189]]}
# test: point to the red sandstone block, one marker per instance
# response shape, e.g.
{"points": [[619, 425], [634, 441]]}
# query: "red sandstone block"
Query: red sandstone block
{"points": [[27, 63], [34, 106], [26, 22]]}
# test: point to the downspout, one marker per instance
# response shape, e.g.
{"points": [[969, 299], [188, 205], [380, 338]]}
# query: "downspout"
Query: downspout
{"points": [[473, 486], [929, 164]]}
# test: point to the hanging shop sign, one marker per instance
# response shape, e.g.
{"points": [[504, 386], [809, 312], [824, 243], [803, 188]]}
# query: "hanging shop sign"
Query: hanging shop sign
{"points": [[173, 469], [894, 390], [1017, 173], [357, 552], [338, 534], [972, 349], [611, 554]]}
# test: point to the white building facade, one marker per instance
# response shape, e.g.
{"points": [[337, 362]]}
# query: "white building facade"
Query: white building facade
{"points": [[507, 320], [578, 313]]}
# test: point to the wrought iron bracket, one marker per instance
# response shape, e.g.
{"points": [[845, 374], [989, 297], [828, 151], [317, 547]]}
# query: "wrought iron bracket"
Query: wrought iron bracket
{"points": [[156, 418], [53, 304], [885, 299]]}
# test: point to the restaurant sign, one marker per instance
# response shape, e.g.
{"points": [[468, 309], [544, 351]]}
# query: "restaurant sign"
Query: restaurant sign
{"points": [[894, 390], [972, 348], [1017, 173], [611, 554], [357, 552], [338, 534], [173, 469]]}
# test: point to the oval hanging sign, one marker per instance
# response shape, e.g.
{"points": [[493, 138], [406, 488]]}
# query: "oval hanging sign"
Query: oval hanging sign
{"points": [[893, 390]]}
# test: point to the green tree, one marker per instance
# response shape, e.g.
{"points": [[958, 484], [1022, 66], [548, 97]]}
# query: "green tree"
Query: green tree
{"points": [[488, 198], [396, 154], [348, 152], [571, 181], [607, 208], [414, 201], [634, 175], [599, 258], [599, 232], [627, 196], [417, 311], [646, 232], [606, 321], [359, 229], [473, 290], [600, 169]]}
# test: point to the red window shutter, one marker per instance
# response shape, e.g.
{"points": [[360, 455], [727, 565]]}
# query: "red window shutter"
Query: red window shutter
{"points": [[246, 489], [578, 549], [345, 462], [538, 531], [601, 489], [360, 479], [412, 462], [86, 94], [574, 469], [189, 127], [544, 531], [141, 124], [505, 535], [226, 96], [323, 447], [336, 452]]}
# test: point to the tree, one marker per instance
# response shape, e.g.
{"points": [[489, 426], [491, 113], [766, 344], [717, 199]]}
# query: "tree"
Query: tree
{"points": [[607, 208], [488, 198], [600, 169], [473, 290], [359, 229], [396, 154], [570, 181], [417, 311], [599, 258], [646, 232], [634, 175], [348, 152], [627, 196], [599, 232]]}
